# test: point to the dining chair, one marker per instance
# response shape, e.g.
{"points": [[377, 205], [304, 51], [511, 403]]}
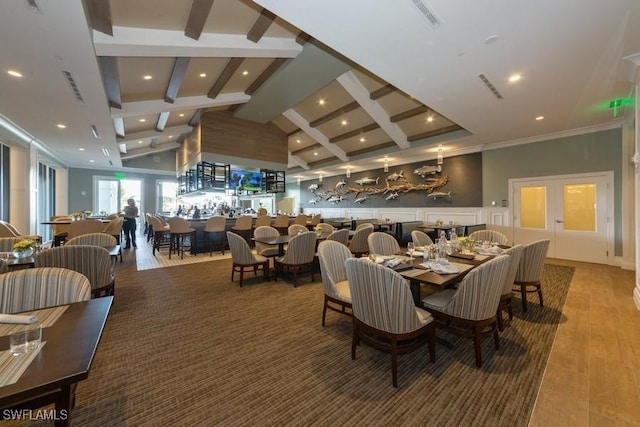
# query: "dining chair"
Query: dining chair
{"points": [[296, 229], [420, 238], [179, 230], [281, 223], [114, 228], [315, 219], [515, 253], [383, 244], [470, 309], [337, 295], [361, 225], [263, 221], [359, 243], [4, 267], [529, 275], [299, 256], [84, 226], [60, 231], [36, 288], [6, 243], [324, 227], [243, 258], [268, 251], [92, 261], [242, 227], [9, 230], [103, 240], [489, 235], [301, 219], [215, 229], [161, 237], [341, 236], [384, 314]]}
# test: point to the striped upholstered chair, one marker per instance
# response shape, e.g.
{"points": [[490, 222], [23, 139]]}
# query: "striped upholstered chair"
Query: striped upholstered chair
{"points": [[160, 231], [4, 267], [299, 256], [269, 251], [332, 256], [243, 258], [420, 238], [384, 314], [324, 227], [92, 261], [6, 243], [529, 275], [383, 244], [341, 236], [515, 253], [473, 305], [103, 240], [296, 229], [35, 288], [359, 244], [489, 236], [84, 226]]}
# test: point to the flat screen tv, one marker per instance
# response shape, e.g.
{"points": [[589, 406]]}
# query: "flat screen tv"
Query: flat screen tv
{"points": [[245, 180]]}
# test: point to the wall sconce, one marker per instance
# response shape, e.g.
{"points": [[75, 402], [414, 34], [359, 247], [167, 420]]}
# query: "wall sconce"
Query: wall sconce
{"points": [[386, 164], [319, 178], [348, 172], [440, 156]]}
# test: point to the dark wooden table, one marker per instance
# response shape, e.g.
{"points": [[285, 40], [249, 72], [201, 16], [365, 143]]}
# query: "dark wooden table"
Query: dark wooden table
{"points": [[65, 359]]}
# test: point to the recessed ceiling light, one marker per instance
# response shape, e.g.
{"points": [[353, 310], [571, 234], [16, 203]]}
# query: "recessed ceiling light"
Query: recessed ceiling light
{"points": [[245, 72], [298, 141], [147, 77], [61, 125], [14, 73], [91, 161], [142, 120], [344, 122], [540, 118], [140, 142], [362, 139], [321, 101], [514, 78], [181, 114], [315, 153], [170, 136], [491, 39], [81, 149], [429, 119], [203, 74]]}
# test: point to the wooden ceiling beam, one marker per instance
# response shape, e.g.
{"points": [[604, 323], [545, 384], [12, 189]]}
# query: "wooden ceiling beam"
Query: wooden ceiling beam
{"points": [[303, 38], [177, 76], [268, 72], [314, 133], [305, 149], [261, 26], [293, 132], [409, 113], [198, 15], [434, 132], [225, 76], [100, 15], [355, 132], [372, 148], [384, 90], [111, 78], [335, 114]]}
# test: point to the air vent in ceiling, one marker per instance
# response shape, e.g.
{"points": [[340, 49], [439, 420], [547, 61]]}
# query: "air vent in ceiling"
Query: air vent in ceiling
{"points": [[33, 6], [428, 12], [73, 85], [490, 85], [153, 143]]}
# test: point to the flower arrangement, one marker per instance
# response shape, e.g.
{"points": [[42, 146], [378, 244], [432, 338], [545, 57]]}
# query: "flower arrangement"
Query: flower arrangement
{"points": [[24, 244]]}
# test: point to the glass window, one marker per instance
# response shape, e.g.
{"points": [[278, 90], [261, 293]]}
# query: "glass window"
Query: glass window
{"points": [[533, 207], [579, 207]]}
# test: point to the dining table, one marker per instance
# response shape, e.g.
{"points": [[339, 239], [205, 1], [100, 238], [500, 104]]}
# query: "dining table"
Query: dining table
{"points": [[15, 263], [64, 359], [282, 240]]}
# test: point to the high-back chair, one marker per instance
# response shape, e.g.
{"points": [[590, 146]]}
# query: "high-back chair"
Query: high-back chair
{"points": [[295, 229], [263, 221], [4, 267], [215, 230], [60, 231], [359, 244], [529, 275], [84, 226], [103, 240], [383, 244], [420, 238], [489, 236], [36, 288], [6, 243], [281, 223], [243, 258], [514, 253], [268, 251], [315, 219], [384, 314], [301, 219], [299, 256], [470, 309], [337, 295], [341, 236], [361, 225], [179, 230], [114, 228], [161, 236], [92, 261], [242, 227], [324, 227], [8, 230]]}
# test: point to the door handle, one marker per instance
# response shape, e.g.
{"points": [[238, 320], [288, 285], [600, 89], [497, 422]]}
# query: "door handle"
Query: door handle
{"points": [[559, 221]]}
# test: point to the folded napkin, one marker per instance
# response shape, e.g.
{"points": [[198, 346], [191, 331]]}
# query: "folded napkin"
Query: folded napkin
{"points": [[17, 319], [393, 262], [441, 267], [494, 250]]}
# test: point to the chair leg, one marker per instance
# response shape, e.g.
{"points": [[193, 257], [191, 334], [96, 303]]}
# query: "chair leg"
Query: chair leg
{"points": [[241, 275], [477, 341], [496, 338], [523, 292], [394, 361], [431, 341], [324, 309], [499, 317], [354, 338], [540, 294]]}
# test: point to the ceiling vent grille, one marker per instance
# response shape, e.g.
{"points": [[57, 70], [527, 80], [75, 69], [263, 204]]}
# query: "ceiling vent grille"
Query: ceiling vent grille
{"points": [[34, 7], [428, 12], [73, 85], [490, 85]]}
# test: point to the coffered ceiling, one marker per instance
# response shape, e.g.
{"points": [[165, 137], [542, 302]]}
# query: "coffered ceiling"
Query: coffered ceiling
{"points": [[349, 82]]}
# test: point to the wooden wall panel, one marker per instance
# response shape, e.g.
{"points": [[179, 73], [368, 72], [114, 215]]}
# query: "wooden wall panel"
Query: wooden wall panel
{"points": [[227, 135]]}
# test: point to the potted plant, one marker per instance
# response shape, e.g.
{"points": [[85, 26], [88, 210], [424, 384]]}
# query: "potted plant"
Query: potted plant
{"points": [[23, 248]]}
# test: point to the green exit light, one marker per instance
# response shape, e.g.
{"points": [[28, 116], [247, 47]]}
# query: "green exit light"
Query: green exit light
{"points": [[119, 175]]}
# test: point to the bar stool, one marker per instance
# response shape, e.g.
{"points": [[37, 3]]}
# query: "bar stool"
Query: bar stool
{"points": [[215, 228], [179, 228], [242, 227]]}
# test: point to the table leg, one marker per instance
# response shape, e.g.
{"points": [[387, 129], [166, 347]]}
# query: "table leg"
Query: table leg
{"points": [[415, 291], [63, 405]]}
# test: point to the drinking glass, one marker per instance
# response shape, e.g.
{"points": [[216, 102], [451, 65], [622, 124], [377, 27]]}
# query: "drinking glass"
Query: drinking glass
{"points": [[410, 248]]}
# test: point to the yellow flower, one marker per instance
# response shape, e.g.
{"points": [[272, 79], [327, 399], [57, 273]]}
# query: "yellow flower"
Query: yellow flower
{"points": [[24, 244]]}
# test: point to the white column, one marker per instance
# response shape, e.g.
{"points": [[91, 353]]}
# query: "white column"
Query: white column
{"points": [[636, 291], [19, 181], [628, 261]]}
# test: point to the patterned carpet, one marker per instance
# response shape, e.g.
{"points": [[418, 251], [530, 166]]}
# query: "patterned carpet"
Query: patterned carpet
{"points": [[184, 346]]}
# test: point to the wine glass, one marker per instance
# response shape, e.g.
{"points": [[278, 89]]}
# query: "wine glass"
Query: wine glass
{"points": [[410, 248]]}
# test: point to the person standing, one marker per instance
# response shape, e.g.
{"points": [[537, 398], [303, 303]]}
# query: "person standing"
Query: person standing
{"points": [[129, 225]]}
